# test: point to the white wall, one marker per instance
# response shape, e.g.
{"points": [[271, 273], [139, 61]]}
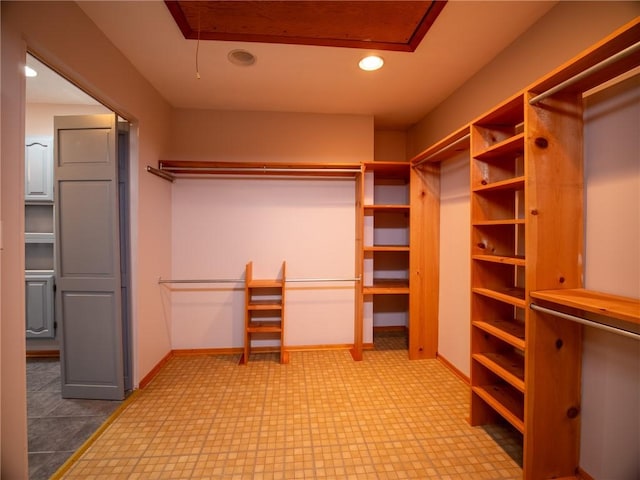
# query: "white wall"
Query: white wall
{"points": [[611, 364], [221, 224]]}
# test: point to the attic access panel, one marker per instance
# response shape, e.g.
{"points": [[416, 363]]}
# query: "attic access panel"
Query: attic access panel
{"points": [[383, 25]]}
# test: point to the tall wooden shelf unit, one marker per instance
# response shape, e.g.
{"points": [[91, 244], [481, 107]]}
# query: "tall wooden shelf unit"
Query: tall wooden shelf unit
{"points": [[526, 237], [386, 235], [264, 311]]}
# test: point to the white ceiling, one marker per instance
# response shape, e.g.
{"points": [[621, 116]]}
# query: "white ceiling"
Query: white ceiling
{"points": [[465, 37]]}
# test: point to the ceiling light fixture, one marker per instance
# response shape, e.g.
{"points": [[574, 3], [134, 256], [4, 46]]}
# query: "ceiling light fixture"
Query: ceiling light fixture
{"points": [[371, 63], [29, 72], [241, 57]]}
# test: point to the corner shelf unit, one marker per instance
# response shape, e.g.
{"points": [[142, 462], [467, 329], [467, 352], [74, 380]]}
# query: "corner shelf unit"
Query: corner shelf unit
{"points": [[264, 311]]}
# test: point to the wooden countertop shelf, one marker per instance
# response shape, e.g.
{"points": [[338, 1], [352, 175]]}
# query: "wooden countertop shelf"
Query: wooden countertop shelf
{"points": [[613, 306]]}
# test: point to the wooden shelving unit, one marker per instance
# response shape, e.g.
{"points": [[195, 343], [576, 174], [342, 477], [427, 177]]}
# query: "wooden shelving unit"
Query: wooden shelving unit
{"points": [[425, 241], [385, 212], [526, 242], [498, 265], [264, 311]]}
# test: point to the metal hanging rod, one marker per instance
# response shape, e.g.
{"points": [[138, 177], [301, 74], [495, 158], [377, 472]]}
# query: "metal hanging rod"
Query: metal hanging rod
{"points": [[584, 321], [443, 149], [585, 73], [161, 173], [318, 280], [263, 170], [241, 280], [204, 280]]}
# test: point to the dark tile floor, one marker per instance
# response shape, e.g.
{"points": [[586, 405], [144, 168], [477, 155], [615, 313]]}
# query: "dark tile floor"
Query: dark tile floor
{"points": [[57, 427]]}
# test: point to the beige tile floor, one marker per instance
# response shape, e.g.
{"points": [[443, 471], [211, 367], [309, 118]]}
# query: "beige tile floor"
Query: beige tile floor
{"points": [[322, 416]]}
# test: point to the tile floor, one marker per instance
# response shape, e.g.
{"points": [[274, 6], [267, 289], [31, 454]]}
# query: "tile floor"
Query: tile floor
{"points": [[56, 427], [322, 416]]}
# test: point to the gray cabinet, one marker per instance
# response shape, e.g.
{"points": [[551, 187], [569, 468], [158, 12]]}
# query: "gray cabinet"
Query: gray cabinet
{"points": [[39, 238], [38, 174], [39, 304]]}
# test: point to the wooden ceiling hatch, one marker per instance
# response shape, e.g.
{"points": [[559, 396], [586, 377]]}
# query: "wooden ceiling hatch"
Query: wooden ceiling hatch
{"points": [[382, 25]]}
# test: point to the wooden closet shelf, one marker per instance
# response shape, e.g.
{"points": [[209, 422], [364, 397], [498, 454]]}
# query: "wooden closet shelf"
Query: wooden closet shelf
{"points": [[386, 248], [511, 332], [516, 183], [623, 38], [391, 208], [264, 327], [264, 305], [506, 221], [511, 146], [197, 168], [514, 296], [504, 401], [509, 367], [454, 143], [517, 260], [614, 306], [387, 286], [265, 284], [389, 169]]}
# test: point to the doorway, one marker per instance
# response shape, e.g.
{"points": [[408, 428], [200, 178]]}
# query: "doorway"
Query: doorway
{"points": [[48, 95]]}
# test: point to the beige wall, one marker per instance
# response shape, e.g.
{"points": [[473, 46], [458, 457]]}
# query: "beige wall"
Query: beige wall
{"points": [[270, 137], [39, 116], [63, 37], [390, 146]]}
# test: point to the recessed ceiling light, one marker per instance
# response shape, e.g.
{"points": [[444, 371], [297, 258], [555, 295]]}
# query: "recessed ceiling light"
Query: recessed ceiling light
{"points": [[29, 72], [241, 57], [371, 63]]}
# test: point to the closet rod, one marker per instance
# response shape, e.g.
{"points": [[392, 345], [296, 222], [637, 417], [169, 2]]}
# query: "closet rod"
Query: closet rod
{"points": [[204, 280], [161, 174], [584, 321], [264, 169], [314, 280], [585, 73], [443, 149], [241, 280]]}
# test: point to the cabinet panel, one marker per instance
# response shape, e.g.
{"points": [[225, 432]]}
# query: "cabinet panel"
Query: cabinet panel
{"points": [[39, 305], [38, 169]]}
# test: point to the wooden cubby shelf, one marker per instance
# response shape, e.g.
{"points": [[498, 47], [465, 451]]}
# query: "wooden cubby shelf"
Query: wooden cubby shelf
{"points": [[385, 253], [510, 332], [504, 401], [509, 260], [516, 183], [510, 146], [264, 311], [510, 367]]}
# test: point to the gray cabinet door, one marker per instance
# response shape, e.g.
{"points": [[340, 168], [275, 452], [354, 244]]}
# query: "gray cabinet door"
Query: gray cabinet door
{"points": [[38, 178], [88, 297], [39, 305]]}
